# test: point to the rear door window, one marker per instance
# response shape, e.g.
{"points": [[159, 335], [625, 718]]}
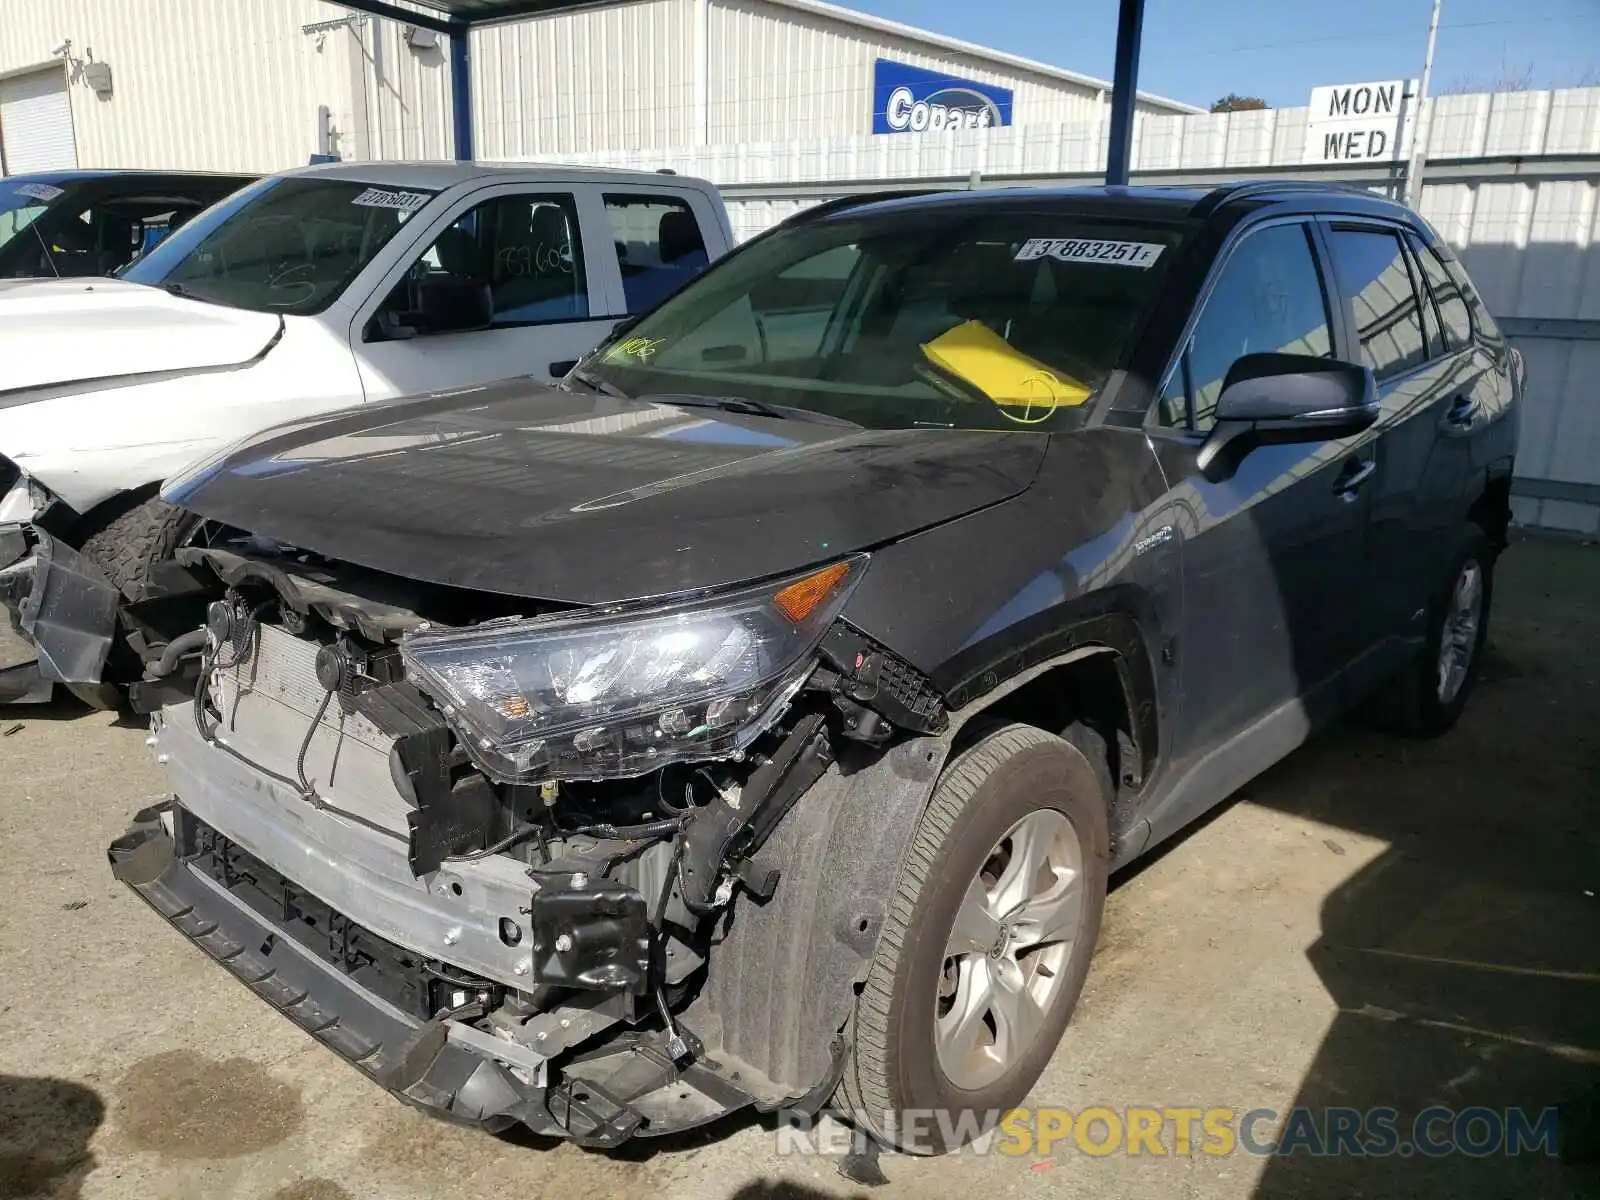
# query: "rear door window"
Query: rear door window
{"points": [[659, 246], [1453, 312], [1372, 273]]}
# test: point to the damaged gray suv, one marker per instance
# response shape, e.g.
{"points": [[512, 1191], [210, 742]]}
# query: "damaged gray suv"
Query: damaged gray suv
{"points": [[754, 719]]}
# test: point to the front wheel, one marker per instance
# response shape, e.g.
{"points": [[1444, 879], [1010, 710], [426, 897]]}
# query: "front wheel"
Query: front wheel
{"points": [[987, 942], [128, 545]]}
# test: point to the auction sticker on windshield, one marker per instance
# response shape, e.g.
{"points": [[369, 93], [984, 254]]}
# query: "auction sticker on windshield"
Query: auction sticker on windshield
{"points": [[39, 191], [1091, 250], [384, 198]]}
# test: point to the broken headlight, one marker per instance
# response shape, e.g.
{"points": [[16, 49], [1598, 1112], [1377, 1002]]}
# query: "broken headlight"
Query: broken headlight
{"points": [[602, 695]]}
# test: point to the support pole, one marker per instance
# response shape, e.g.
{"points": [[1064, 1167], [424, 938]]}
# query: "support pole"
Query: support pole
{"points": [[1419, 128], [461, 90], [1124, 91]]}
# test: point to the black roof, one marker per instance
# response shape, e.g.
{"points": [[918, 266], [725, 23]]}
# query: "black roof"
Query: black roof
{"points": [[1156, 203]]}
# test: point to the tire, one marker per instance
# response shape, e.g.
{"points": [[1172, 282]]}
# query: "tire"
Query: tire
{"points": [[896, 1083], [1416, 704], [128, 546]]}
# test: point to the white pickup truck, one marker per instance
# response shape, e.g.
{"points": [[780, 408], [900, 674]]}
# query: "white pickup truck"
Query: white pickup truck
{"points": [[308, 292]]}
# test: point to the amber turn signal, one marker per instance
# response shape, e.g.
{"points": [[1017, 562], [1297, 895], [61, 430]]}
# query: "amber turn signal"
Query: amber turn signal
{"points": [[803, 595]]}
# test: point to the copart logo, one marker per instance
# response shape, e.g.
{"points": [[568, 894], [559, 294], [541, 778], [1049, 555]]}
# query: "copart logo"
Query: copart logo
{"points": [[909, 99], [951, 108]]}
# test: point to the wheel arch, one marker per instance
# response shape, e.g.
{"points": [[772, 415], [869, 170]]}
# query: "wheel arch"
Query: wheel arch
{"points": [[783, 983]]}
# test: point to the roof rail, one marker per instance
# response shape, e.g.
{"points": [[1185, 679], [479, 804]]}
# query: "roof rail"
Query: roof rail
{"points": [[839, 203], [1227, 192]]}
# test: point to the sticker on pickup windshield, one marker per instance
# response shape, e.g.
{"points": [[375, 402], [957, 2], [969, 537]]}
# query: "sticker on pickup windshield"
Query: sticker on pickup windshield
{"points": [[39, 191], [1091, 250], [384, 198]]}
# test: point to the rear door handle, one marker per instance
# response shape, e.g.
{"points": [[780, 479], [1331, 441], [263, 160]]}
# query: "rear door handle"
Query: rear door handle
{"points": [[1356, 472]]}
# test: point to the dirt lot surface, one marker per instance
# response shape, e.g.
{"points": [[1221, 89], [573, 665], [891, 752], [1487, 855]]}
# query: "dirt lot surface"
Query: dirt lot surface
{"points": [[1372, 923]]}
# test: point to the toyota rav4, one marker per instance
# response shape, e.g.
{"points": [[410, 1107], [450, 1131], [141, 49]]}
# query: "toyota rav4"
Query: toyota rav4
{"points": [[754, 719]]}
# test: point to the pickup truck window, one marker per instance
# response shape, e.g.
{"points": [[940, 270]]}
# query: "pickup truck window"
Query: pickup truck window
{"points": [[1268, 298], [1372, 273], [286, 245], [21, 205], [526, 248], [935, 319], [659, 246]]}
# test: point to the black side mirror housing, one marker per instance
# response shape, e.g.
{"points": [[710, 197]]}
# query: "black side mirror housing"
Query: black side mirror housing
{"points": [[441, 304], [1277, 398], [449, 305]]}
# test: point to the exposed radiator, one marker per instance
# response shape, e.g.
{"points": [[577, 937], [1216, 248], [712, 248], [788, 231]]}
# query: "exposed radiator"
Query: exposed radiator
{"points": [[266, 704]]}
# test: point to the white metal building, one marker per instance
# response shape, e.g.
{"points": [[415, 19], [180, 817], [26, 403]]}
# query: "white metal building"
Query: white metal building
{"points": [[265, 84]]}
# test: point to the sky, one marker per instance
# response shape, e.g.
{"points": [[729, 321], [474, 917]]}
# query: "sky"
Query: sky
{"points": [[1199, 50]]}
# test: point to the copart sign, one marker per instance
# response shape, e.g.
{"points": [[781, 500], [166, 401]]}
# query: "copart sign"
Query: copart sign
{"points": [[910, 99]]}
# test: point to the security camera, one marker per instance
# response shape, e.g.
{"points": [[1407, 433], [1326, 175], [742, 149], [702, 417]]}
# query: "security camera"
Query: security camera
{"points": [[63, 47]]}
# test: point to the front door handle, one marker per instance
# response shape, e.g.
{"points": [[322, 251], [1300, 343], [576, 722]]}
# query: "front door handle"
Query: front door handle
{"points": [[1356, 472]]}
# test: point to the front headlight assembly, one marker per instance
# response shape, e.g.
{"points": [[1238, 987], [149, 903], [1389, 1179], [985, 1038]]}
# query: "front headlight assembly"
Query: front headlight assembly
{"points": [[612, 694]]}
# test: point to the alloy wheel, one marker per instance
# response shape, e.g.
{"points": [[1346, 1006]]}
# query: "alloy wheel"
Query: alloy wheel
{"points": [[1008, 948], [1458, 641]]}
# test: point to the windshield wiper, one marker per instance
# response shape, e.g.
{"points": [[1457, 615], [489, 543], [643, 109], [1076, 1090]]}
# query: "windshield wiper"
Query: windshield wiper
{"points": [[754, 408], [597, 385]]}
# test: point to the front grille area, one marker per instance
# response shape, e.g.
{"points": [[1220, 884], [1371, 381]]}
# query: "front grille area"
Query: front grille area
{"points": [[415, 986]]}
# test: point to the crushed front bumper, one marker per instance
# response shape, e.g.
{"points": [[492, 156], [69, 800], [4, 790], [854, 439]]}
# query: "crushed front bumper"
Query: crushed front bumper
{"points": [[62, 612], [323, 919], [416, 1060]]}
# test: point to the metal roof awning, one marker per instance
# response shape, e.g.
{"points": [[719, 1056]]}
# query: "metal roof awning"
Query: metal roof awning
{"points": [[457, 18]]}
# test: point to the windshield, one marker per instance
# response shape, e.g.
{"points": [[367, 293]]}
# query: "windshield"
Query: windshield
{"points": [[22, 203], [1004, 320], [282, 245]]}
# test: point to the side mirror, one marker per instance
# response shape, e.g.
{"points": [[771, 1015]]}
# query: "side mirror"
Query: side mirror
{"points": [[449, 305], [1277, 398], [443, 304]]}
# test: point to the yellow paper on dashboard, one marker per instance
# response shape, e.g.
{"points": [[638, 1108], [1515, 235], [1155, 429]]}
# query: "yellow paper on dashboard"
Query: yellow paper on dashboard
{"points": [[1007, 376]]}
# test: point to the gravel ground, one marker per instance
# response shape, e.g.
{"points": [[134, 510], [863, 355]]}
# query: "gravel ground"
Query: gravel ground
{"points": [[1372, 922]]}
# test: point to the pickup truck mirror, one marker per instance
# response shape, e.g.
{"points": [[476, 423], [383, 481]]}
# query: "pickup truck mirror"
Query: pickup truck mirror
{"points": [[442, 304], [449, 305], [1275, 398]]}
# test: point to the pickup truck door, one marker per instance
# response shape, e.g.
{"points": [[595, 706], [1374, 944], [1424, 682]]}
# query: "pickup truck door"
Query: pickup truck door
{"points": [[1271, 554], [540, 249]]}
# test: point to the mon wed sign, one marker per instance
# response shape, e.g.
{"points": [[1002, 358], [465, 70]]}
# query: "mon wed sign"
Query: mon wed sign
{"points": [[1359, 122]]}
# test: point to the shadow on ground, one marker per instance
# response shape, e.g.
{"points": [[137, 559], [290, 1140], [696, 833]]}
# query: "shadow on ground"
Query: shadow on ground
{"points": [[45, 1127], [1465, 959]]}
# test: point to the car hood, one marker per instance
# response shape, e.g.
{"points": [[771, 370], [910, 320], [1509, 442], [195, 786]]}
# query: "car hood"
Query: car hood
{"points": [[65, 331], [575, 498]]}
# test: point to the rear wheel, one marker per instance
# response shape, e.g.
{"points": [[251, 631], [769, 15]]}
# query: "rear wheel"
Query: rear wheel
{"points": [[987, 942], [1428, 697]]}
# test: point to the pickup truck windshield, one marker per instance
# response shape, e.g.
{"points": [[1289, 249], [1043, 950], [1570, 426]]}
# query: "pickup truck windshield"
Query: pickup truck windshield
{"points": [[21, 204], [927, 318], [283, 245]]}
